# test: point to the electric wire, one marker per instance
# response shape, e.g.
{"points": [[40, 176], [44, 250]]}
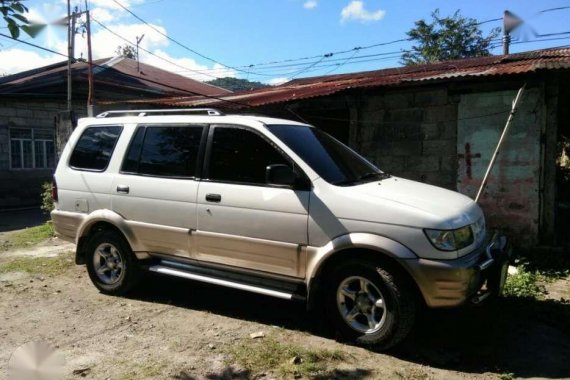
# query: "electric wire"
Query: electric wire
{"points": [[134, 76], [174, 40]]}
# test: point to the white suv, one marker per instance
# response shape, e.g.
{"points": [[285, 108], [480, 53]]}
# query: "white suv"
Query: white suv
{"points": [[273, 207]]}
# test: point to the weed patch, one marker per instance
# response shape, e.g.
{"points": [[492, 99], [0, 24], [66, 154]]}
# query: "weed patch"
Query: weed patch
{"points": [[525, 284], [28, 237], [286, 360], [48, 266]]}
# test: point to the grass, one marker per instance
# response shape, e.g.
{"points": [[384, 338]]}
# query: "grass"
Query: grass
{"points": [[534, 271], [287, 360], [28, 237], [148, 369], [525, 284], [47, 266]]}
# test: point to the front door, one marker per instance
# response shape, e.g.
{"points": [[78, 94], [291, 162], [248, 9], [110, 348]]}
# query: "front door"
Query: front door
{"points": [[156, 189], [242, 221]]}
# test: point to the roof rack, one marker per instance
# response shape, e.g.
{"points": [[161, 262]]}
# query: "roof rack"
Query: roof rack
{"points": [[171, 111]]}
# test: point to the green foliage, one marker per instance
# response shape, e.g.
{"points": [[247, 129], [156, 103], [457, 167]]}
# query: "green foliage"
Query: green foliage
{"points": [[47, 200], [288, 360], [506, 376], [28, 237], [447, 38], [48, 266], [235, 84], [13, 13], [524, 284], [127, 51]]}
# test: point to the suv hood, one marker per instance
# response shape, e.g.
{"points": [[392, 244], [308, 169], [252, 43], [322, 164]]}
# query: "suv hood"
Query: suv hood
{"points": [[407, 203]]}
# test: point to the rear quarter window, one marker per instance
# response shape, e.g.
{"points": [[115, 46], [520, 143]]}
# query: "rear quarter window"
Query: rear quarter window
{"points": [[94, 148]]}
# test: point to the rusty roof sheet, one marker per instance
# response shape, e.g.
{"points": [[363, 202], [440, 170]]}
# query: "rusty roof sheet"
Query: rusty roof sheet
{"points": [[548, 59], [112, 72]]}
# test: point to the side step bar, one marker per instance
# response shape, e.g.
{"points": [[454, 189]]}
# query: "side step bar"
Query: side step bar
{"points": [[217, 281]]}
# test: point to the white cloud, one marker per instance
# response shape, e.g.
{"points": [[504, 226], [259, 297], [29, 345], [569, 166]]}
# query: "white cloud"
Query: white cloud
{"points": [[187, 67], [310, 4], [277, 81], [103, 15], [355, 11], [105, 43], [16, 60]]}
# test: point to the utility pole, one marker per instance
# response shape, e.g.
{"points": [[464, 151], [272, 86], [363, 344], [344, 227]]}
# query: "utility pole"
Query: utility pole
{"points": [[65, 121], [138, 39], [70, 37], [90, 94]]}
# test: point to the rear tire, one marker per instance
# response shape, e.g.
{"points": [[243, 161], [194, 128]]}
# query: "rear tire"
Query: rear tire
{"points": [[111, 264], [370, 303]]}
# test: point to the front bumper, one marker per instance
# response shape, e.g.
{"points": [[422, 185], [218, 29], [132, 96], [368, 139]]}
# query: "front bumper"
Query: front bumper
{"points": [[473, 278]]}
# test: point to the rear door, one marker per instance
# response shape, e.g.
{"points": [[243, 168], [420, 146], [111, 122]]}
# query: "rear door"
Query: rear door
{"points": [[156, 188], [242, 221]]}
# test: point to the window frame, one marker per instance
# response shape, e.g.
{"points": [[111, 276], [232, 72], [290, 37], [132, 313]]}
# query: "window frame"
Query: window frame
{"points": [[304, 185], [199, 158], [122, 128], [32, 141]]}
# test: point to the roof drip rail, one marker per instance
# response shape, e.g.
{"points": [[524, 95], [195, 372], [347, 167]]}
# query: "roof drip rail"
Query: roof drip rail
{"points": [[170, 111]]}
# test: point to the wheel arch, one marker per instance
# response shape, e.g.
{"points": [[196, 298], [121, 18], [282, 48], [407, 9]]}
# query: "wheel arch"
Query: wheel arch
{"points": [[356, 247], [103, 220]]}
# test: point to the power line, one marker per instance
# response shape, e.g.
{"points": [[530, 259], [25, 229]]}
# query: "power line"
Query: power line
{"points": [[134, 76], [151, 53], [554, 9], [175, 41]]}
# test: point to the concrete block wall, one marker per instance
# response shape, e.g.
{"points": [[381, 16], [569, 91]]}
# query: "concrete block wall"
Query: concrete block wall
{"points": [[511, 199], [20, 188], [411, 134]]}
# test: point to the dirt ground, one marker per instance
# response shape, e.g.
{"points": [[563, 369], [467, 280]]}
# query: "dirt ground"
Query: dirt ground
{"points": [[175, 329]]}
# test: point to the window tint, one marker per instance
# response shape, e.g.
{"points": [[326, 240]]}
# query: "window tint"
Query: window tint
{"points": [[166, 151], [131, 162], [331, 159], [239, 155], [95, 147]]}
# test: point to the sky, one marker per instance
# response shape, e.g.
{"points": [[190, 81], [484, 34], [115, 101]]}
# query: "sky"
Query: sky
{"points": [[206, 39]]}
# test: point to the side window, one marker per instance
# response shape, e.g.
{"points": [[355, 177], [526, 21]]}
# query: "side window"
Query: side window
{"points": [[165, 151], [94, 149], [131, 162], [239, 155]]}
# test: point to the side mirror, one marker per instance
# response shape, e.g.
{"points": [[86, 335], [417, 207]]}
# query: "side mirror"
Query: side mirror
{"points": [[279, 174]]}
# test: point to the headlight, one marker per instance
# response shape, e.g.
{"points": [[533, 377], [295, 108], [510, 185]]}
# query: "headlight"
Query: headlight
{"points": [[450, 240]]}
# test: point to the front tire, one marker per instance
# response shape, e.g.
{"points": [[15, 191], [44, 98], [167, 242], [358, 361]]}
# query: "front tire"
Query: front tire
{"points": [[370, 303], [111, 264]]}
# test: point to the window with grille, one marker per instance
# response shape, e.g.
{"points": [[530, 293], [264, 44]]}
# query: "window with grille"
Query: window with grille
{"points": [[32, 148]]}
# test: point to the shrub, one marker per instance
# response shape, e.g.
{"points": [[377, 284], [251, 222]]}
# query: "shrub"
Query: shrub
{"points": [[47, 200]]}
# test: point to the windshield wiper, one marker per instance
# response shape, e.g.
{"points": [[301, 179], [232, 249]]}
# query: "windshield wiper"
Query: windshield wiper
{"points": [[376, 175]]}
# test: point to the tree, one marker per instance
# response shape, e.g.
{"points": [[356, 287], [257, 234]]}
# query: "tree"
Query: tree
{"points": [[13, 13], [235, 84], [127, 51], [447, 38]]}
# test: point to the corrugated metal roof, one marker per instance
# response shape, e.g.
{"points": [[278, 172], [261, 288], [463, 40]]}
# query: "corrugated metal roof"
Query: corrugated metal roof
{"points": [[548, 59], [111, 72]]}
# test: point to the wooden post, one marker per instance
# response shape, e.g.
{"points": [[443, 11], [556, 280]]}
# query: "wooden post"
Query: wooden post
{"points": [[500, 143]]}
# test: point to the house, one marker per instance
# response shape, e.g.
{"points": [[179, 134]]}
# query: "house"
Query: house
{"points": [[31, 101], [440, 123]]}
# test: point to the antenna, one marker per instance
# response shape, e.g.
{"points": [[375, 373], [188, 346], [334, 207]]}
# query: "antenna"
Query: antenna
{"points": [[510, 23], [139, 39]]}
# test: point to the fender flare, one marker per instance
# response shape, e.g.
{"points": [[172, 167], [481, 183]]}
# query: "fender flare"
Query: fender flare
{"points": [[110, 217], [317, 256]]}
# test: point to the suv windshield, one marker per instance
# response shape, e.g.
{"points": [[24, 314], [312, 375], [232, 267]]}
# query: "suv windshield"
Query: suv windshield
{"points": [[332, 160]]}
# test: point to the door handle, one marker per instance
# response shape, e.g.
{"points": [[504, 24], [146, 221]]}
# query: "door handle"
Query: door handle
{"points": [[213, 198], [122, 189]]}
